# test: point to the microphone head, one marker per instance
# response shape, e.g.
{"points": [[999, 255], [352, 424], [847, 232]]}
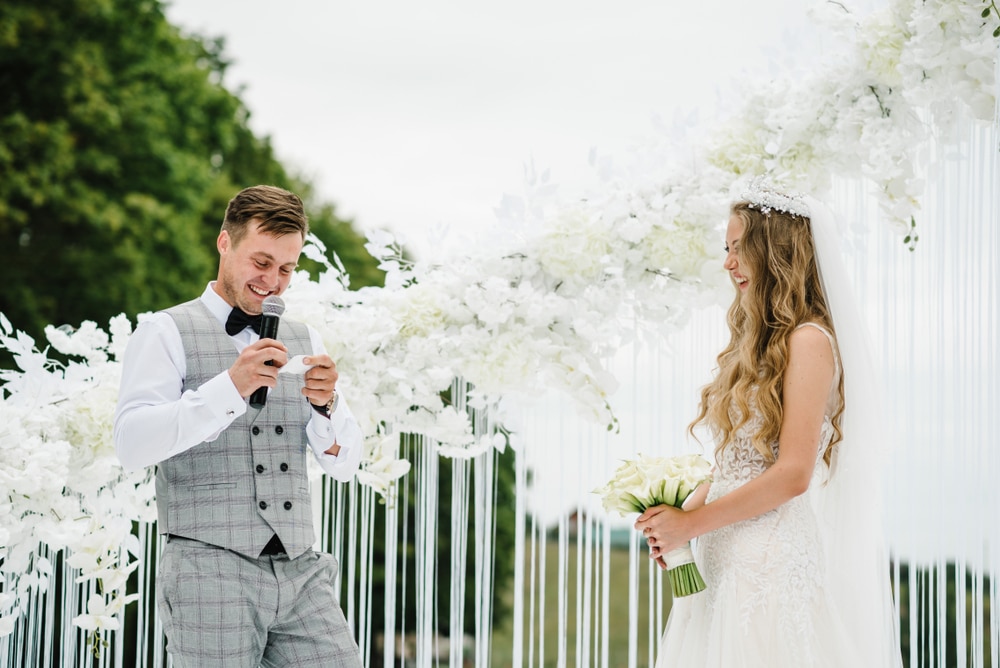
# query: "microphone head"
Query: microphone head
{"points": [[273, 306]]}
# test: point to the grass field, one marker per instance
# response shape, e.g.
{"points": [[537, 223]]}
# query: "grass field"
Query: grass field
{"points": [[545, 650]]}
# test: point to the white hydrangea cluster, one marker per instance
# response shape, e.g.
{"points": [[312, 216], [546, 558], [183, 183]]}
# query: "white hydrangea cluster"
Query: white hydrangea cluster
{"points": [[63, 486], [869, 110]]}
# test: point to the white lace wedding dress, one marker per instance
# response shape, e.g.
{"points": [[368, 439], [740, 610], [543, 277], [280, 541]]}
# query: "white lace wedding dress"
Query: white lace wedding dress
{"points": [[765, 605]]}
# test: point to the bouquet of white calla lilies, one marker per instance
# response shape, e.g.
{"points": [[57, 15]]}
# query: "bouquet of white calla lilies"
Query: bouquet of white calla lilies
{"points": [[645, 482]]}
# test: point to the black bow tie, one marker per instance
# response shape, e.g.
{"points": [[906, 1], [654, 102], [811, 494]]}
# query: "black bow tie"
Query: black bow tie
{"points": [[238, 321]]}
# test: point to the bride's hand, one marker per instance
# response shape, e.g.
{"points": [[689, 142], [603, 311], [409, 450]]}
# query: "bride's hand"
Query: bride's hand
{"points": [[665, 529]]}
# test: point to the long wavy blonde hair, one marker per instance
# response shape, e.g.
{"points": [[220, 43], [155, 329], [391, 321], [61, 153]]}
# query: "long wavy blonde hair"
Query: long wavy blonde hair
{"points": [[785, 290]]}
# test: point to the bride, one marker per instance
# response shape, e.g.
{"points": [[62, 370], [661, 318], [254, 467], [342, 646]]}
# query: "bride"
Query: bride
{"points": [[789, 554]]}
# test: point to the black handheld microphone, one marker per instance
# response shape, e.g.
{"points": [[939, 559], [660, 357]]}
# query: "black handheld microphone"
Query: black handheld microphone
{"points": [[271, 309]]}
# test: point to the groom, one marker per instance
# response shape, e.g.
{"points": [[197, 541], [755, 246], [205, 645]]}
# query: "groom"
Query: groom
{"points": [[239, 583]]}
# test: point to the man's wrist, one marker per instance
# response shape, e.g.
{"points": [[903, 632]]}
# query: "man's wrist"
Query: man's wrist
{"points": [[330, 406]]}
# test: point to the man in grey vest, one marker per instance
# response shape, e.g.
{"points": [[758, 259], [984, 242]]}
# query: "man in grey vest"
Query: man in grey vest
{"points": [[239, 583]]}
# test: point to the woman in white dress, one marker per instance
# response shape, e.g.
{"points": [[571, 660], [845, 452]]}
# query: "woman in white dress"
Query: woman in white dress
{"points": [[776, 409]]}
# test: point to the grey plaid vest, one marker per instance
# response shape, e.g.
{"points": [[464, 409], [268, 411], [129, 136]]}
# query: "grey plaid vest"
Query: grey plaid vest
{"points": [[250, 483]]}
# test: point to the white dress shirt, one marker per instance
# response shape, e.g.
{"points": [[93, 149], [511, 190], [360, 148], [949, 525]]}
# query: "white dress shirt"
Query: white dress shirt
{"points": [[155, 420]]}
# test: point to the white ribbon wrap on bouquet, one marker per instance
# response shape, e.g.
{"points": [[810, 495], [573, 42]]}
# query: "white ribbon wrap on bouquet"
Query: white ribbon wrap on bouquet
{"points": [[679, 557]]}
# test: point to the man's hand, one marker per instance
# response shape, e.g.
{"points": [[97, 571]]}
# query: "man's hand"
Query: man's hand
{"points": [[320, 380], [250, 370]]}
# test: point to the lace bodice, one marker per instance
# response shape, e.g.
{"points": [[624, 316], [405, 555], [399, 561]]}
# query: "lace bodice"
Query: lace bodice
{"points": [[740, 462]]}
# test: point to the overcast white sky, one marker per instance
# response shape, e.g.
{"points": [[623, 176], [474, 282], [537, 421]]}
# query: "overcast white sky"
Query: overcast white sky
{"points": [[412, 116]]}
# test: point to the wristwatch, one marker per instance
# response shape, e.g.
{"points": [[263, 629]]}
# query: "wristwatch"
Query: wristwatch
{"points": [[330, 406]]}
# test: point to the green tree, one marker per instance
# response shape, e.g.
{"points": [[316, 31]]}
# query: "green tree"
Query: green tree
{"points": [[119, 148]]}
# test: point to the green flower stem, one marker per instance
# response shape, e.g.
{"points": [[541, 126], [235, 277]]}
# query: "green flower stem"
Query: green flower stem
{"points": [[685, 580]]}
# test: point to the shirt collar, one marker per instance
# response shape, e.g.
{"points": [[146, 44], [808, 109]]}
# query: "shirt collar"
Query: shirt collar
{"points": [[216, 304]]}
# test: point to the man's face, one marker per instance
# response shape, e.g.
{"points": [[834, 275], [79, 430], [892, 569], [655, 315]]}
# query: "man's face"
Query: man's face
{"points": [[259, 266]]}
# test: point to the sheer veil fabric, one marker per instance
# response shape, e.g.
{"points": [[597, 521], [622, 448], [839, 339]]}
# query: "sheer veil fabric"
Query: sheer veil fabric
{"points": [[850, 505]]}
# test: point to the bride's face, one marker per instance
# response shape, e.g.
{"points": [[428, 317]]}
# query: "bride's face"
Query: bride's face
{"points": [[734, 233]]}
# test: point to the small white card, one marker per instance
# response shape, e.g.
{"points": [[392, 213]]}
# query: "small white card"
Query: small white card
{"points": [[296, 366]]}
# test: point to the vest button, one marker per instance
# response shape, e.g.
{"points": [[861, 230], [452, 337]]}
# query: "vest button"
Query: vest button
{"points": [[255, 431], [283, 467], [288, 505], [260, 468], [263, 505], [279, 430]]}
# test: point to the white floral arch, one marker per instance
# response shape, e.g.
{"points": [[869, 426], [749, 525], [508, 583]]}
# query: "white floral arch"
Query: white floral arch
{"points": [[542, 306]]}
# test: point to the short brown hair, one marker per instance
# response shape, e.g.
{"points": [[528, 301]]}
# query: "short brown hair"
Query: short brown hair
{"points": [[278, 211]]}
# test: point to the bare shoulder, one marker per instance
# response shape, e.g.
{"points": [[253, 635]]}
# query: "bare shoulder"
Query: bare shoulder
{"points": [[810, 345]]}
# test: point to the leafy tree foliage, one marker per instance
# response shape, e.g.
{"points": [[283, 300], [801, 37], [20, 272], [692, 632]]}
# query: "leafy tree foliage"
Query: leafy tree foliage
{"points": [[119, 149]]}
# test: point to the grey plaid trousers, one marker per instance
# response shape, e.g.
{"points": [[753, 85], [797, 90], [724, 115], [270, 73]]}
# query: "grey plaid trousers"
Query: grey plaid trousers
{"points": [[223, 609]]}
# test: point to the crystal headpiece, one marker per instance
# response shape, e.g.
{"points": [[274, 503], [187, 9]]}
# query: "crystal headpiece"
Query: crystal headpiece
{"points": [[761, 195]]}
